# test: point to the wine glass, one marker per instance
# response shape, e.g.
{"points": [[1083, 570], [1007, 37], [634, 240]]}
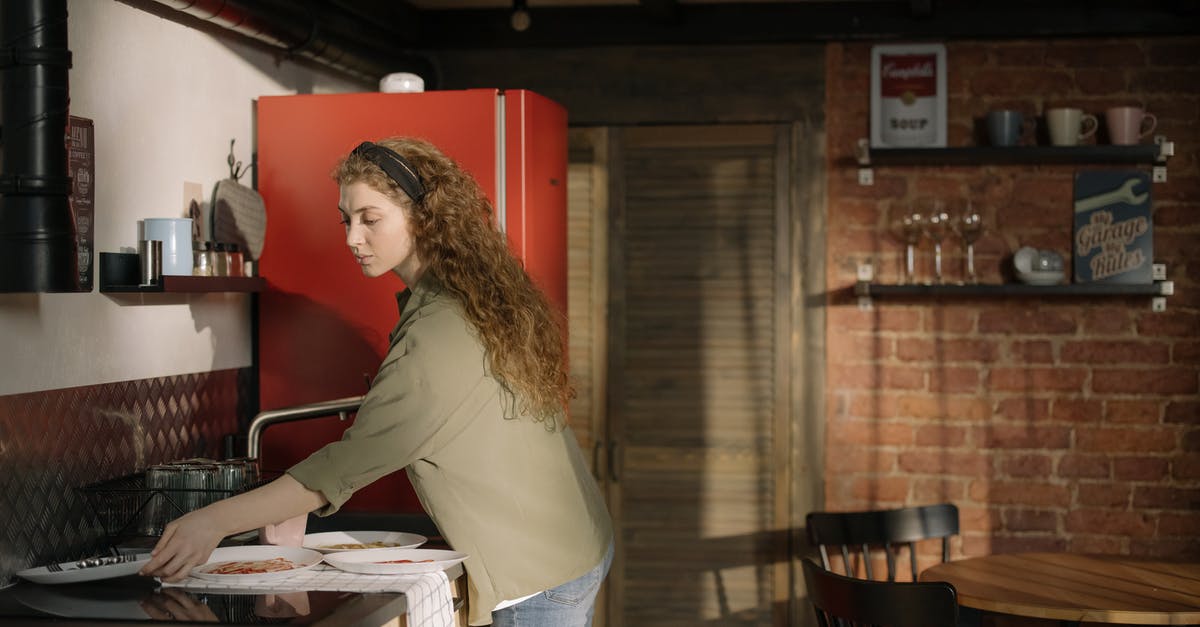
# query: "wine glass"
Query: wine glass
{"points": [[969, 226], [936, 226], [908, 226]]}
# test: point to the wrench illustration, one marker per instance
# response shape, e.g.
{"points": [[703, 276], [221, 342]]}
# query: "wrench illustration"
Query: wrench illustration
{"points": [[1124, 194]]}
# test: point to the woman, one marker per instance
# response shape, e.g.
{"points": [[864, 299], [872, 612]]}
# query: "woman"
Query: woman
{"points": [[469, 399]]}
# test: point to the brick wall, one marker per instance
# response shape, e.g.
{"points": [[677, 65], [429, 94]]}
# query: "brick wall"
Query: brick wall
{"points": [[1061, 423]]}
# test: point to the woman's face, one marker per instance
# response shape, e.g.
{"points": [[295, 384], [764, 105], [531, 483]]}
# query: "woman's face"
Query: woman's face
{"points": [[377, 233]]}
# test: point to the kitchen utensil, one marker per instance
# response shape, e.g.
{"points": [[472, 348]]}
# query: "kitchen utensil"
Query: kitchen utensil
{"points": [[239, 217]]}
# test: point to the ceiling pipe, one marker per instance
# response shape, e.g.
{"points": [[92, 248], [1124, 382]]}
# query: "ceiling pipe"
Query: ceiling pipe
{"points": [[37, 231], [318, 32]]}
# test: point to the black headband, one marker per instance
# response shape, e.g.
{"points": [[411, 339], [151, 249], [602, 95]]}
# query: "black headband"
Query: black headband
{"points": [[396, 167]]}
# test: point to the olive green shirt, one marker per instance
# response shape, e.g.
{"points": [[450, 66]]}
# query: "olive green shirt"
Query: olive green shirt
{"points": [[513, 495]]}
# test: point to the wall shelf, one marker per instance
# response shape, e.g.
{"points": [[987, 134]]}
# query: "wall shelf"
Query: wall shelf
{"points": [[119, 274], [1158, 288]]}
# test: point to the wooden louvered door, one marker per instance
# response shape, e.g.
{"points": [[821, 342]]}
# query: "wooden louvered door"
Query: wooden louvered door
{"points": [[696, 389]]}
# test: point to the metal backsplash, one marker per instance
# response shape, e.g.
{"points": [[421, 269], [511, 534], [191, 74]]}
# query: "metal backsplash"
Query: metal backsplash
{"points": [[52, 443]]}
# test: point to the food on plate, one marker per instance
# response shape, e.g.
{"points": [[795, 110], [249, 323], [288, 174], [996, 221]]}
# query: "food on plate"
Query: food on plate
{"points": [[251, 567], [360, 545], [405, 562]]}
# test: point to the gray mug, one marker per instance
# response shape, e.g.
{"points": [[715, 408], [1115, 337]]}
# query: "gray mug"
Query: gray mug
{"points": [[1004, 127]]}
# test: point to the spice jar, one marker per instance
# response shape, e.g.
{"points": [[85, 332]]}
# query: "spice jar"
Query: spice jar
{"points": [[220, 259], [201, 259], [236, 258]]}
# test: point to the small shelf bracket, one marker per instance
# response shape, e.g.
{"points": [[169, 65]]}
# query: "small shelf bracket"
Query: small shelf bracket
{"points": [[862, 154], [1166, 150], [866, 274]]}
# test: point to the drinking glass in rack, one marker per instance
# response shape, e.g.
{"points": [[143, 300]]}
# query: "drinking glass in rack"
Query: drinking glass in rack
{"points": [[969, 226], [936, 226], [907, 227]]}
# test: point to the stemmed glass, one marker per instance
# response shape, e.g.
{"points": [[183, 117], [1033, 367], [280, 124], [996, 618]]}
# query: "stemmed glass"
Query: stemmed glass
{"points": [[908, 228], [969, 226], [936, 226]]}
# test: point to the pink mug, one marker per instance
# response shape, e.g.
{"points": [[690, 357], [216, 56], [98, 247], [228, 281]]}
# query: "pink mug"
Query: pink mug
{"points": [[1128, 125]]}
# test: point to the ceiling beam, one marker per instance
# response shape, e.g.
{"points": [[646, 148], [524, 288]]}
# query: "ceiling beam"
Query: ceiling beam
{"points": [[795, 22]]}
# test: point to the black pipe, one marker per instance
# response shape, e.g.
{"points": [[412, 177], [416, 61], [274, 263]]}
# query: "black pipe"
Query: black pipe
{"points": [[37, 231]]}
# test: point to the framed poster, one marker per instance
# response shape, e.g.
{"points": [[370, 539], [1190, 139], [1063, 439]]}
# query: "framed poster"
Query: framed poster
{"points": [[1114, 227], [908, 95]]}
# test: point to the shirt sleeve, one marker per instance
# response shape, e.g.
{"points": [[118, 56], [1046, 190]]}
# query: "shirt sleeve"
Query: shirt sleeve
{"points": [[396, 425]]}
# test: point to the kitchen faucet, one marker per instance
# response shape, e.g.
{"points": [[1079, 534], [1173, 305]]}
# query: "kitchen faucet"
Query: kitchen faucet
{"points": [[343, 407]]}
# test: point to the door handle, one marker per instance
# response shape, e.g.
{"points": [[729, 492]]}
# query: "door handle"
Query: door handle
{"points": [[613, 462]]}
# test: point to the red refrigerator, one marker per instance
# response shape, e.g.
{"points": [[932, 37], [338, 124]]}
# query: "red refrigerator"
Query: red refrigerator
{"points": [[322, 326]]}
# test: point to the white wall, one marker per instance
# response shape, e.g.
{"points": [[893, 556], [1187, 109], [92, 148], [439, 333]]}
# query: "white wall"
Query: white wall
{"points": [[165, 100]]}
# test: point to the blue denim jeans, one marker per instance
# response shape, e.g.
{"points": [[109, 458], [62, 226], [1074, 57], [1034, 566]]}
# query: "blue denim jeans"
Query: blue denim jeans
{"points": [[568, 605]]}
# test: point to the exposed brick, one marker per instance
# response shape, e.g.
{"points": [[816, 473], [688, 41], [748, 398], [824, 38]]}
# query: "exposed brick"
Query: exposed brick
{"points": [[1173, 52], [1185, 353], [881, 489], [1026, 322], [1179, 524], [939, 489], [955, 380], [1019, 519], [874, 377], [940, 435], [1156, 381], [1125, 439], [1007, 436], [1031, 352], [1140, 468], [1174, 80], [870, 433], [1086, 53], [1183, 412], [1186, 468], [1040, 379], [1029, 465], [1169, 323], [877, 461], [1100, 82], [1165, 548], [1098, 545], [1076, 410], [1103, 495], [876, 319], [1020, 54], [1163, 497], [945, 351], [1024, 544], [855, 347], [970, 464], [1079, 466], [1138, 411], [1026, 493], [1109, 522], [1115, 352], [952, 320], [1106, 321], [1190, 441], [982, 519], [954, 408], [1024, 409]]}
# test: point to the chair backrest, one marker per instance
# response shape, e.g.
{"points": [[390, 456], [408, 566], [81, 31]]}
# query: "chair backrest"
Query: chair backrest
{"points": [[886, 529], [839, 600]]}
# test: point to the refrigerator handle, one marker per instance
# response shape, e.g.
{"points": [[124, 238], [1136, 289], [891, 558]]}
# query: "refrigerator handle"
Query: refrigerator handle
{"points": [[597, 450], [613, 461]]}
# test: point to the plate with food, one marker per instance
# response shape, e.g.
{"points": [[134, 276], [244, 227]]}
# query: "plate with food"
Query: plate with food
{"points": [[250, 564], [88, 569], [338, 541], [394, 561]]}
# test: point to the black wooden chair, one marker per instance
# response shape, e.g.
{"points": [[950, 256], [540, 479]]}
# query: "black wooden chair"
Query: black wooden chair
{"points": [[886, 530], [839, 600]]}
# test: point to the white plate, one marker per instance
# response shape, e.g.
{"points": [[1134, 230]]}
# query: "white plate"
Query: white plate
{"points": [[69, 572], [396, 539], [369, 562], [1041, 277], [304, 559]]}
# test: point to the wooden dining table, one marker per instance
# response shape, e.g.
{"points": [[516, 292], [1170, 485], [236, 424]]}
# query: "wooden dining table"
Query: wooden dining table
{"points": [[1076, 588]]}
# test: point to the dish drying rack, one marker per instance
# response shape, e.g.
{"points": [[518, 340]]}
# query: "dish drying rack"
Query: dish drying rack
{"points": [[126, 507]]}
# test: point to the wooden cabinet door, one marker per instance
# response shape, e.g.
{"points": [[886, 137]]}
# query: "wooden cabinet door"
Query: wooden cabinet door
{"points": [[696, 388]]}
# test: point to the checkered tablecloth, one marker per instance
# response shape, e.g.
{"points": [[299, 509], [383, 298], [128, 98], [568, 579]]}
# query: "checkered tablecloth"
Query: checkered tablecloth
{"points": [[427, 596]]}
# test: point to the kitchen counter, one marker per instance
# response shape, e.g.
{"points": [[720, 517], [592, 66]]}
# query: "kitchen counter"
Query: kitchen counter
{"points": [[139, 601]]}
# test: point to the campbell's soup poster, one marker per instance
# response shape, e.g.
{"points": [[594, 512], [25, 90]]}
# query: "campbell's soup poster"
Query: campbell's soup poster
{"points": [[908, 95]]}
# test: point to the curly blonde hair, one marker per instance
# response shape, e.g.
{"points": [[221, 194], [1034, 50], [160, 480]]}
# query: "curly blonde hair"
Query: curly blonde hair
{"points": [[455, 235]]}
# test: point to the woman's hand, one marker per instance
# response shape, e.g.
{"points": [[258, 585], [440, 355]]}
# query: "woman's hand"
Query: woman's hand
{"points": [[186, 543]]}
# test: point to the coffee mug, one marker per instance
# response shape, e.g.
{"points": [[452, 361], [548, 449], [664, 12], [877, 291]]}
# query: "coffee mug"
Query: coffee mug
{"points": [[1067, 125], [176, 237], [1004, 127], [1127, 125]]}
